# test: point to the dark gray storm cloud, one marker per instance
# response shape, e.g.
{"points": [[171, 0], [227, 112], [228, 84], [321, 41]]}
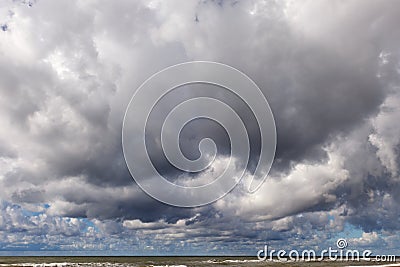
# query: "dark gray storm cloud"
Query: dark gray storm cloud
{"points": [[329, 69]]}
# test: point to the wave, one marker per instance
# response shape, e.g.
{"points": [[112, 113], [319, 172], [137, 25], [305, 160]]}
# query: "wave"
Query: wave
{"points": [[85, 264]]}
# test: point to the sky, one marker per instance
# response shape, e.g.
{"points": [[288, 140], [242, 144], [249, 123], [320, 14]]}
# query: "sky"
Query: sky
{"points": [[329, 69]]}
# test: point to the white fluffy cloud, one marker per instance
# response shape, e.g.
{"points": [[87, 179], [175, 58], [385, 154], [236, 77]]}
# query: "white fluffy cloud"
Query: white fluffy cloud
{"points": [[329, 69]]}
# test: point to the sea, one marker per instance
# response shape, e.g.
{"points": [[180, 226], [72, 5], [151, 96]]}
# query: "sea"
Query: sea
{"points": [[26, 261]]}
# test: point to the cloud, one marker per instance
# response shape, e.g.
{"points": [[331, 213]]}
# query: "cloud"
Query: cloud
{"points": [[328, 69], [386, 134], [367, 238]]}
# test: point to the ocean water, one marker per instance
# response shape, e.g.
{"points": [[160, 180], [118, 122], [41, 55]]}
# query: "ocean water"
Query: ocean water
{"points": [[162, 261]]}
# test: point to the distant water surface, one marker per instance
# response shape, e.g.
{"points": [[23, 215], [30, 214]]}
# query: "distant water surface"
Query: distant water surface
{"points": [[161, 261]]}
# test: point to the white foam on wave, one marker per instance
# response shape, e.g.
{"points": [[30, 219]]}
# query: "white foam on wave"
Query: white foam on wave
{"points": [[240, 261], [66, 264], [214, 261], [384, 265], [59, 264], [84, 264]]}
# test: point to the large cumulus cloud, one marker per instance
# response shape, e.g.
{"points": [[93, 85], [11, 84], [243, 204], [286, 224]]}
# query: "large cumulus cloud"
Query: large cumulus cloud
{"points": [[329, 70]]}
